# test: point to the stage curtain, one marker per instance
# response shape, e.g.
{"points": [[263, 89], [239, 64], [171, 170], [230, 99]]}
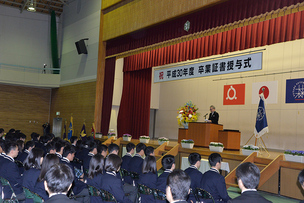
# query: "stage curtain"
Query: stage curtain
{"points": [[107, 94], [217, 15], [134, 111]]}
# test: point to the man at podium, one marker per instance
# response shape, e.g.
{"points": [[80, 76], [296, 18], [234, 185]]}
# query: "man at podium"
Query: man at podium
{"points": [[213, 116]]}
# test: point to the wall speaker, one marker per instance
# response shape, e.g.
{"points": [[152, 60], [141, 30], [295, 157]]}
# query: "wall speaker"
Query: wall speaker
{"points": [[81, 47]]}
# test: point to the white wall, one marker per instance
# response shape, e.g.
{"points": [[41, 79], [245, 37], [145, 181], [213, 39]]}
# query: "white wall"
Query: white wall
{"points": [[81, 19], [285, 120], [24, 38]]}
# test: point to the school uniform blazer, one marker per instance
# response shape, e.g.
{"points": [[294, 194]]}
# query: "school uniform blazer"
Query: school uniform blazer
{"points": [[60, 198], [78, 185], [114, 185], [95, 182], [9, 170], [23, 156], [81, 155], [196, 178], [162, 183], [214, 117], [214, 183], [40, 190], [125, 165], [149, 180], [136, 163], [86, 160], [249, 197], [30, 178]]}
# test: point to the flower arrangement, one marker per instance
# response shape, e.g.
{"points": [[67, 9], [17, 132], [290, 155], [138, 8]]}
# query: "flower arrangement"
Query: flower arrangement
{"points": [[127, 135], [187, 113], [111, 134], [98, 134], [187, 141], [251, 147], [163, 139], [145, 137], [216, 144], [294, 152]]}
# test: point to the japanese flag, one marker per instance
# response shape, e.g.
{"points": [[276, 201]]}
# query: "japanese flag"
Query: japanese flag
{"points": [[270, 92]]}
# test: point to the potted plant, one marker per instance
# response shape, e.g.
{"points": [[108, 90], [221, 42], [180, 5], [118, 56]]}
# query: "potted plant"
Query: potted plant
{"points": [[127, 137], [216, 147], [162, 140], [294, 155], [144, 139], [248, 149], [112, 135], [186, 114], [98, 135], [187, 143]]}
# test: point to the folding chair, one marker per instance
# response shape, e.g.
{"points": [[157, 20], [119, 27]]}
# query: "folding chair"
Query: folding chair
{"points": [[202, 194], [31, 195], [13, 197]]}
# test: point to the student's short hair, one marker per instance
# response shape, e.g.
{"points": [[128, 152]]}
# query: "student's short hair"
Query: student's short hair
{"points": [[92, 146], [149, 165], [301, 177], [21, 135], [20, 144], [140, 146], [33, 160], [249, 174], [2, 144], [29, 144], [9, 146], [50, 146], [102, 148], [58, 146], [96, 166], [194, 157], [112, 163], [57, 139], [73, 138], [149, 150], [12, 130], [48, 161], [179, 183], [35, 136], [1, 130], [130, 146], [69, 149], [113, 147], [214, 158], [167, 161], [59, 178]]}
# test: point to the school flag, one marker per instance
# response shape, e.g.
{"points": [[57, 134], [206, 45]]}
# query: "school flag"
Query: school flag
{"points": [[261, 126], [70, 134], [83, 134], [64, 130], [93, 130]]}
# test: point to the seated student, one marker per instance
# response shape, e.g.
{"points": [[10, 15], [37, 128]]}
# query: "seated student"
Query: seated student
{"points": [[1, 132], [51, 148], [113, 149], [87, 158], [9, 170], [102, 149], [36, 138], [74, 140], [20, 144], [79, 187], [84, 151], [22, 136], [213, 182], [126, 159], [29, 145], [301, 180], [95, 174], [178, 187], [32, 166], [148, 177], [59, 149], [58, 181], [168, 163], [248, 178], [195, 175], [110, 182], [48, 161], [149, 151], [136, 163]]}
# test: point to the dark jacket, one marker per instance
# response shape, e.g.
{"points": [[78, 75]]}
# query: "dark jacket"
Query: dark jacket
{"points": [[40, 190], [250, 197], [196, 178], [86, 161], [149, 180], [95, 182], [161, 183], [136, 163], [214, 117], [30, 178], [60, 199], [214, 183], [125, 165]]}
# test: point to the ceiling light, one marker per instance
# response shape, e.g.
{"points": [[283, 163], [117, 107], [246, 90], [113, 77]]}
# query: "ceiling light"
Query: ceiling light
{"points": [[31, 5]]}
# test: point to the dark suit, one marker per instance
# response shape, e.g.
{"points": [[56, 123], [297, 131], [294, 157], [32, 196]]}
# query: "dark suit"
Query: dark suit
{"points": [[214, 117], [162, 183], [196, 178], [113, 185], [30, 178], [136, 163], [149, 180], [9, 170], [125, 165], [250, 197], [60, 199], [86, 161], [95, 182], [214, 183], [40, 190]]}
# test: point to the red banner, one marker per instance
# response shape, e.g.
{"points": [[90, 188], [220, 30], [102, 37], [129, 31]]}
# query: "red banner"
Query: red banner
{"points": [[234, 94]]}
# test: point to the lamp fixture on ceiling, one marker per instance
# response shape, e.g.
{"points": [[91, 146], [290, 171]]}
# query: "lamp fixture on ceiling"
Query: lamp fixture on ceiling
{"points": [[31, 5]]}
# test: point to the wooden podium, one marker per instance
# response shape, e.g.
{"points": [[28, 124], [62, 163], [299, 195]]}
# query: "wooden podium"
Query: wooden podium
{"points": [[182, 134], [203, 133], [230, 139]]}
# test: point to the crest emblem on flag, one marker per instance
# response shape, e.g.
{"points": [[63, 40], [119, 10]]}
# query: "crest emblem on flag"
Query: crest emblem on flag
{"points": [[295, 91], [261, 125], [234, 94]]}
